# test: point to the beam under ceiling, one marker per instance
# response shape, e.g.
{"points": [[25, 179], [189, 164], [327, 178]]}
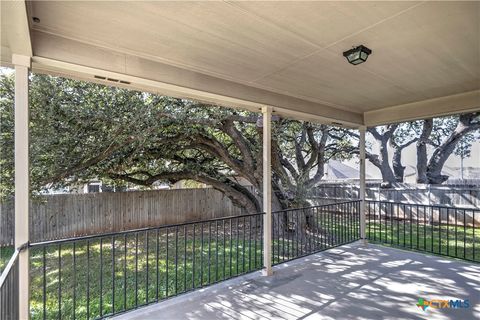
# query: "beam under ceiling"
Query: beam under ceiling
{"points": [[58, 55]]}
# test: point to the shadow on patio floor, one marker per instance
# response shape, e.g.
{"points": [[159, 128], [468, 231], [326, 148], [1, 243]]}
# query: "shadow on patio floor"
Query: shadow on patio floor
{"points": [[348, 282]]}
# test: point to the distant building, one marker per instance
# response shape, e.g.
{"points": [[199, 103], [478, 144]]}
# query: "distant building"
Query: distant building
{"points": [[471, 175], [339, 171]]}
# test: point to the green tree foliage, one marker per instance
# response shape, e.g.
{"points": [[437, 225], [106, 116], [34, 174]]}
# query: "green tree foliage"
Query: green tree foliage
{"points": [[81, 131]]}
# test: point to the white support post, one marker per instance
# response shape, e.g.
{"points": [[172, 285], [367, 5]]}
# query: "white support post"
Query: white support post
{"points": [[362, 130], [267, 190], [22, 194]]}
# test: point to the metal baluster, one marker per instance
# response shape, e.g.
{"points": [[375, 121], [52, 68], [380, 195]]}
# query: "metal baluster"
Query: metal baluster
{"points": [[88, 279], [101, 277], [391, 223], [473, 222], [398, 224], [456, 233], [255, 241], [310, 238], [216, 250], [448, 227], [439, 230], [464, 234], [418, 232], [297, 233], [185, 258], [136, 269], [431, 228], [59, 281], [113, 274], [231, 248], [44, 282], [380, 221], [424, 228], [157, 249], [261, 239], [193, 257], [209, 250], [404, 222], [243, 245], [74, 278], [285, 214], [147, 265], [411, 227], [224, 251], [176, 260], [250, 243], [201, 257], [167, 285], [237, 250], [125, 273], [275, 238], [375, 221]]}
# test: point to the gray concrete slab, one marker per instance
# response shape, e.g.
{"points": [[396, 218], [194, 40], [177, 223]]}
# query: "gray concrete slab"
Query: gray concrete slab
{"points": [[348, 282]]}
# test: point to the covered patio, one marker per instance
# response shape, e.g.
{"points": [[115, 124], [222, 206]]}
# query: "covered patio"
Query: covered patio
{"points": [[353, 281], [278, 59]]}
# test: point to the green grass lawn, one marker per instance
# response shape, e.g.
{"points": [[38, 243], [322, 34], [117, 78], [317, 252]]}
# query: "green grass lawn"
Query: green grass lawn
{"points": [[97, 280], [90, 289], [5, 255], [453, 241], [286, 247], [109, 281], [135, 280]]}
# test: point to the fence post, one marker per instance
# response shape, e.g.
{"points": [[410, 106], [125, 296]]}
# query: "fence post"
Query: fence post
{"points": [[362, 185], [267, 190], [22, 194]]}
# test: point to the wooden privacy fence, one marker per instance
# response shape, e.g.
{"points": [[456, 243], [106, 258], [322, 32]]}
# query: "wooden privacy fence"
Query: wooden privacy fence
{"points": [[69, 215], [447, 195]]}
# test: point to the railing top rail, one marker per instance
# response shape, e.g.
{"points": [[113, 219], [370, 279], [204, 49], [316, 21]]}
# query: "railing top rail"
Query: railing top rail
{"points": [[319, 206], [425, 205], [9, 266], [110, 234]]}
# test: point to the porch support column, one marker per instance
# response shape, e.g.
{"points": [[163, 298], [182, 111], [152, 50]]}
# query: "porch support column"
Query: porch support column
{"points": [[363, 236], [22, 65], [267, 190]]}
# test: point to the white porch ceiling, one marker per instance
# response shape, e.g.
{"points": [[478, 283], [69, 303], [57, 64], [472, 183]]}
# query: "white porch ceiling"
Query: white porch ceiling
{"points": [[286, 54]]}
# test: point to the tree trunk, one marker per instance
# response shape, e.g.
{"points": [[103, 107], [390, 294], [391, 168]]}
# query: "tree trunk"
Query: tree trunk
{"points": [[398, 168], [387, 174], [435, 165], [422, 157]]}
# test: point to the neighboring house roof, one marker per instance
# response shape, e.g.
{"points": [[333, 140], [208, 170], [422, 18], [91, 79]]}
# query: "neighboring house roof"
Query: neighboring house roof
{"points": [[456, 172], [337, 170], [410, 170], [452, 172]]}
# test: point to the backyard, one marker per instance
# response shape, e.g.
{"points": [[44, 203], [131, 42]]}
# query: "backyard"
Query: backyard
{"points": [[151, 149], [74, 279], [100, 275], [453, 241]]}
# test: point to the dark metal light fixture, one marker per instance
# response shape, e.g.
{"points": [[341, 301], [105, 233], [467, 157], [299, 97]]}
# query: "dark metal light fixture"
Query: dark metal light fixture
{"points": [[357, 55]]}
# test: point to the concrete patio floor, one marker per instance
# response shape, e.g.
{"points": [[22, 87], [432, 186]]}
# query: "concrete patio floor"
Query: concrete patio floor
{"points": [[348, 282]]}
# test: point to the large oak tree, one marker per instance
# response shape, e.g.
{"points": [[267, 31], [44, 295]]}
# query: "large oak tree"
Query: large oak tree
{"points": [[82, 131]]}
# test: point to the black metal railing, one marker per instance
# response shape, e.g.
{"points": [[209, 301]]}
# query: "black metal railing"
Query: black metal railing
{"points": [[9, 289], [300, 232], [94, 277], [442, 230]]}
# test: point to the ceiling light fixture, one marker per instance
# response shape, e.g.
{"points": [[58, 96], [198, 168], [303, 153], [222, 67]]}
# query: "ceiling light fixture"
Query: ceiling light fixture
{"points": [[357, 55]]}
